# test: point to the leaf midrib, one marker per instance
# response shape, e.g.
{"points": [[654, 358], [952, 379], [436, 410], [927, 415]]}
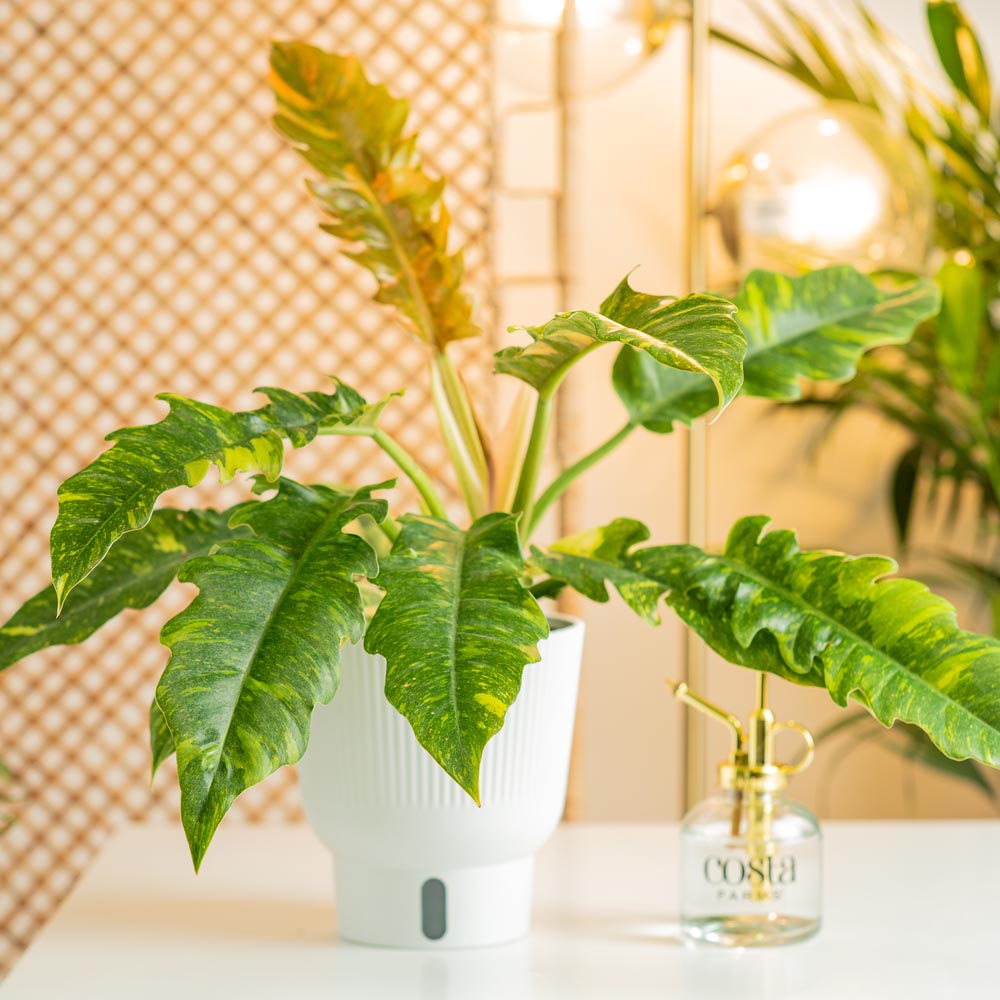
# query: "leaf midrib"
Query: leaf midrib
{"points": [[409, 274], [876, 306], [456, 609], [299, 564]]}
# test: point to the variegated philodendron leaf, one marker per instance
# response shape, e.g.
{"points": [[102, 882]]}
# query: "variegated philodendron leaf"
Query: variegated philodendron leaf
{"points": [[813, 327], [835, 621], [259, 646], [133, 576], [591, 559], [161, 742], [456, 627], [694, 334], [116, 493], [374, 188]]}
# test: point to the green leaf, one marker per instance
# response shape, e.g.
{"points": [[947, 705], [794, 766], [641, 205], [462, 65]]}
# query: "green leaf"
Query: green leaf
{"points": [[374, 189], [905, 478], [830, 620], [260, 645], [815, 327], [115, 494], [133, 576], [964, 302], [657, 397], [959, 52], [456, 627], [694, 334], [161, 741], [589, 560]]}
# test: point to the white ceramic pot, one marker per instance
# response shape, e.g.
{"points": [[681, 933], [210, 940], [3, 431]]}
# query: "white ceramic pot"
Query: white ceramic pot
{"points": [[416, 863]]}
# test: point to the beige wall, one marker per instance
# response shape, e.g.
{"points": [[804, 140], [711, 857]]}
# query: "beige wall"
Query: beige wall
{"points": [[627, 209]]}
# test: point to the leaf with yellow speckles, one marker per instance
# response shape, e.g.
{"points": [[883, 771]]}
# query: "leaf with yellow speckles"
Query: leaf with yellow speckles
{"points": [[814, 327], [134, 575], [696, 334], [259, 646], [591, 559], [830, 620], [456, 627], [115, 494]]}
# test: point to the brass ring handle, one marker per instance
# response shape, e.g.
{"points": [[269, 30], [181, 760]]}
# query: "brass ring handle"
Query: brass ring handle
{"points": [[807, 758]]}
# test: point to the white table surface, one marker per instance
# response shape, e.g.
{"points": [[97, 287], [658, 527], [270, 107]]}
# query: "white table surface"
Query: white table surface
{"points": [[911, 910]]}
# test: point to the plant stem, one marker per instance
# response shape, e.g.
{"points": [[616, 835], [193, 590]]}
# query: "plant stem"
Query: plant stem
{"points": [[461, 433], [532, 467], [565, 479], [390, 527], [406, 462]]}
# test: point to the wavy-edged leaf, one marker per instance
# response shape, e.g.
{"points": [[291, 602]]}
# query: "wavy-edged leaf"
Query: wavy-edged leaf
{"points": [[259, 646], [133, 576], [830, 620], [456, 628], [958, 49], [588, 561], [374, 188], [115, 494], [815, 326], [903, 490], [694, 334]]}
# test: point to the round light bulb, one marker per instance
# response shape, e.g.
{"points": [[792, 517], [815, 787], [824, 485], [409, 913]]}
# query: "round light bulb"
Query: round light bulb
{"points": [[828, 185], [605, 41]]}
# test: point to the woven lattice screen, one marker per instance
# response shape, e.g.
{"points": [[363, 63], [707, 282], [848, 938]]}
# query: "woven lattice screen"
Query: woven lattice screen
{"points": [[155, 234]]}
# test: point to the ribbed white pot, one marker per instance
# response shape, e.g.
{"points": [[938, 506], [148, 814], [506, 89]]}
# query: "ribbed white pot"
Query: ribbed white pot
{"points": [[416, 863]]}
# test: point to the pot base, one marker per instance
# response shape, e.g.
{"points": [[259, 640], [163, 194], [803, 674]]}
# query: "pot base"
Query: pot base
{"points": [[457, 908]]}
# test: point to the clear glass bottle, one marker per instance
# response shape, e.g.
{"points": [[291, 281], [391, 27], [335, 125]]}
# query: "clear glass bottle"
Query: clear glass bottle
{"points": [[751, 859]]}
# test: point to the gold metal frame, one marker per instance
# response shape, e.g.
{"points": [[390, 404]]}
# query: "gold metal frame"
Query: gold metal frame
{"points": [[696, 448]]}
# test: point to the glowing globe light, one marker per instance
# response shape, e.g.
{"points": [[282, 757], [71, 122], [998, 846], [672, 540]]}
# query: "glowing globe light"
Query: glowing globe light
{"points": [[605, 40], [828, 185]]}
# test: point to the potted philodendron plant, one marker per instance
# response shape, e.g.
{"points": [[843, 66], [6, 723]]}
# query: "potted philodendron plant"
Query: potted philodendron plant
{"points": [[287, 580]]}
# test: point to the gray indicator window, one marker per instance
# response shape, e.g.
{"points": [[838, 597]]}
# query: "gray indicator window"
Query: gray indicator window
{"points": [[433, 915]]}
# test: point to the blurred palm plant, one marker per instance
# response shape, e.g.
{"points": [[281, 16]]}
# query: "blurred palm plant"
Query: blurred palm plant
{"points": [[911, 745], [942, 388]]}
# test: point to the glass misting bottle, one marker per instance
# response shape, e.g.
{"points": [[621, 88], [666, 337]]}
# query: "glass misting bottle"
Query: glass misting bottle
{"points": [[750, 858]]}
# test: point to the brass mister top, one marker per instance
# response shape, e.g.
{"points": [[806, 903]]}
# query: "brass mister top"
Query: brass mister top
{"points": [[751, 765]]}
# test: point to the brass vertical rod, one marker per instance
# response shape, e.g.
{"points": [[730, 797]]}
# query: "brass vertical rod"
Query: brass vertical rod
{"points": [[563, 97], [761, 691], [567, 417], [696, 448]]}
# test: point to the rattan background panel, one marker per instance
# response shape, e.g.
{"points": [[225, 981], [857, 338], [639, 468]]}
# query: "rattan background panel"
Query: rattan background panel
{"points": [[156, 235]]}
